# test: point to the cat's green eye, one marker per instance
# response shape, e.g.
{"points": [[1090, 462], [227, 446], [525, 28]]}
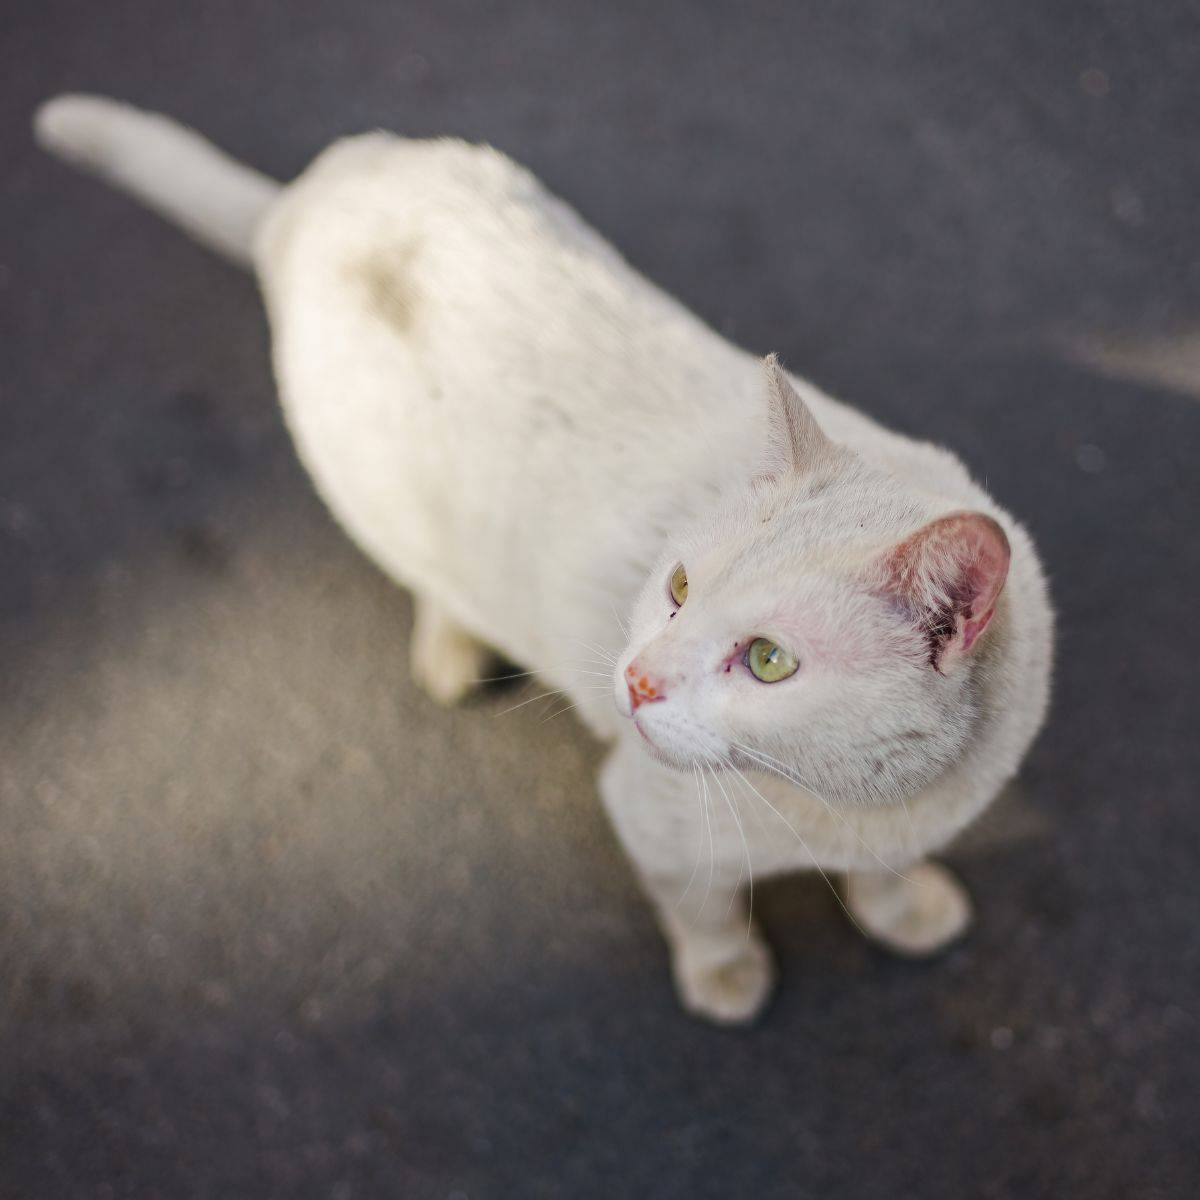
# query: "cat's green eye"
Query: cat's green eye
{"points": [[769, 662], [679, 585]]}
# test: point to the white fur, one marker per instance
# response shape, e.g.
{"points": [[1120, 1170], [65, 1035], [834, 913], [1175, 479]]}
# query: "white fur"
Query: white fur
{"points": [[175, 171], [516, 425]]}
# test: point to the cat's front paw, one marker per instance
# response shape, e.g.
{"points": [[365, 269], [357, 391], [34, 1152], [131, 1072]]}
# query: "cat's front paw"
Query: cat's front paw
{"points": [[728, 989], [915, 915]]}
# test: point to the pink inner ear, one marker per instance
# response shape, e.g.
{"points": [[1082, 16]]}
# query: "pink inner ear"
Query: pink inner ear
{"points": [[949, 574]]}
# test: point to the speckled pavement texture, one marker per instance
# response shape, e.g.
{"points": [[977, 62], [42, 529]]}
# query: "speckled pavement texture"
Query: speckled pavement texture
{"points": [[273, 925]]}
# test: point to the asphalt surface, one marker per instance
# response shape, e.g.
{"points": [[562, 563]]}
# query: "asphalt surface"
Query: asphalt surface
{"points": [[273, 925]]}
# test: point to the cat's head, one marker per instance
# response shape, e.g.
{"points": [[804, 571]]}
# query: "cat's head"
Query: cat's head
{"points": [[824, 619]]}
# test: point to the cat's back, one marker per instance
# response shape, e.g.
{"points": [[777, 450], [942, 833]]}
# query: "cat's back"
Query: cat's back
{"points": [[466, 213], [474, 377]]}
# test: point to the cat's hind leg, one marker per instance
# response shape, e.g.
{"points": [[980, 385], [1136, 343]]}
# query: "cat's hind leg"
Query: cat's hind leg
{"points": [[915, 914], [446, 660]]}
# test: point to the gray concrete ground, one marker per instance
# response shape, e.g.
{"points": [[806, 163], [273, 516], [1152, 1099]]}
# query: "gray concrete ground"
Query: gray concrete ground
{"points": [[272, 925]]}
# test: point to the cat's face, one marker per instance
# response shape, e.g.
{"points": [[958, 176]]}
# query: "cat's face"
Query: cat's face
{"points": [[820, 621]]}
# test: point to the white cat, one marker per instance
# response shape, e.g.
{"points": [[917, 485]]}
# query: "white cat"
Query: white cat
{"points": [[838, 646]]}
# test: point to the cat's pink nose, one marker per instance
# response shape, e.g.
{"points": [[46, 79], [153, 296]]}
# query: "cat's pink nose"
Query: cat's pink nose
{"points": [[642, 689]]}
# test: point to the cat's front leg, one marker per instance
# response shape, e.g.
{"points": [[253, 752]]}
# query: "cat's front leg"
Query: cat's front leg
{"points": [[915, 914], [446, 660], [722, 967]]}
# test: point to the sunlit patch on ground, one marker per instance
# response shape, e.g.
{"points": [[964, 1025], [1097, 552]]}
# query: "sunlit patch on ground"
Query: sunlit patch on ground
{"points": [[1171, 362]]}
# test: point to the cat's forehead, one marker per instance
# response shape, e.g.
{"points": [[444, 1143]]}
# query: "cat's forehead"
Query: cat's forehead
{"points": [[799, 529]]}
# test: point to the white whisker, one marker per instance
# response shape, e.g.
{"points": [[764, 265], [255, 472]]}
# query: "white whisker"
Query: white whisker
{"points": [[574, 704], [711, 842], [542, 671], [912, 832], [771, 764], [699, 842], [746, 849], [605, 655], [559, 712], [736, 781], [804, 844], [620, 623], [531, 700]]}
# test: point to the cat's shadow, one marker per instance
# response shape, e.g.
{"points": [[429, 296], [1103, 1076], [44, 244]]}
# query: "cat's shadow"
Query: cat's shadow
{"points": [[504, 679]]}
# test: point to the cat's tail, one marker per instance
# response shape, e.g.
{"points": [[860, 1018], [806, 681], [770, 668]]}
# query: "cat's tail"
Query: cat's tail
{"points": [[169, 167]]}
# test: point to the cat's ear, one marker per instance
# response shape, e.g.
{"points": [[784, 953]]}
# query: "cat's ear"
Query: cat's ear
{"points": [[796, 441], [948, 576]]}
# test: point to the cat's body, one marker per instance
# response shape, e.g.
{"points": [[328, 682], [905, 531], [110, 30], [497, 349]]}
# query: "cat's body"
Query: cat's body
{"points": [[517, 426]]}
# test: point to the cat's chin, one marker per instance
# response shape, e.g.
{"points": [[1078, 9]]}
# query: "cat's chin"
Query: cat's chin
{"points": [[653, 748], [678, 759]]}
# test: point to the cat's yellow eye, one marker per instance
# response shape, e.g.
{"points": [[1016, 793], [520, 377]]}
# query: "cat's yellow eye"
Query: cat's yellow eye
{"points": [[679, 585], [769, 662]]}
